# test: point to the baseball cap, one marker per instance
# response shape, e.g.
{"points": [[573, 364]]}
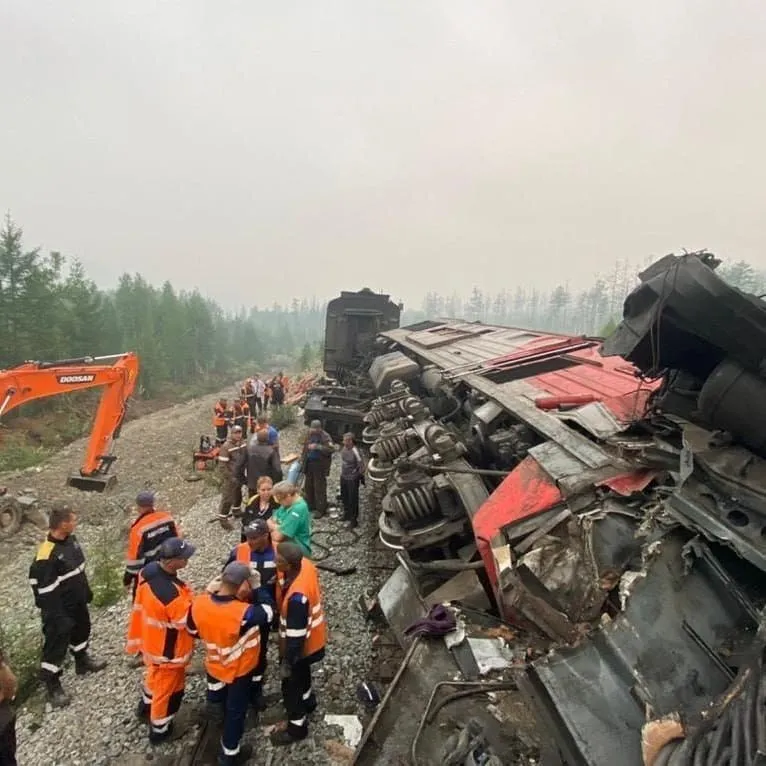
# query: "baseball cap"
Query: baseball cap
{"points": [[145, 498], [316, 424], [236, 573], [256, 528], [236, 428], [176, 548]]}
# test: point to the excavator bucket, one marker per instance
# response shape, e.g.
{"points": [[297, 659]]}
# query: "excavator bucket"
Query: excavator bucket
{"points": [[92, 483]]}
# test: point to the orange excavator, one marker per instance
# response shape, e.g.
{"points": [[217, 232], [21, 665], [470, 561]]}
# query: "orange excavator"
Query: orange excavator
{"points": [[117, 373]]}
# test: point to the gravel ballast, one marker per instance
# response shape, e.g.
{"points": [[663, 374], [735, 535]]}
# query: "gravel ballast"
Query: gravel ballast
{"points": [[99, 727]]}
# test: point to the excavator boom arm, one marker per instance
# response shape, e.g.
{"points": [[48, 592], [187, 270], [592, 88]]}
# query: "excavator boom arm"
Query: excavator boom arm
{"points": [[39, 380]]}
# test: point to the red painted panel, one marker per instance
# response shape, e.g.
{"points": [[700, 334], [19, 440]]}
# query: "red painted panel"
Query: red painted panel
{"points": [[527, 491]]}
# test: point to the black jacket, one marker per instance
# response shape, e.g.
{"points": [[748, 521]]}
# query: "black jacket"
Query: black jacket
{"points": [[253, 510], [57, 576], [262, 460]]}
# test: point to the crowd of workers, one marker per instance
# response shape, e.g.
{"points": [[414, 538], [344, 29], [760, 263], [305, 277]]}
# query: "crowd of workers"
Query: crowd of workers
{"points": [[268, 583], [255, 397]]}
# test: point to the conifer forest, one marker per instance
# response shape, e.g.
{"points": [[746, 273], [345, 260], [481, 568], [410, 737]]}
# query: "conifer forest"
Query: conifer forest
{"points": [[50, 309]]}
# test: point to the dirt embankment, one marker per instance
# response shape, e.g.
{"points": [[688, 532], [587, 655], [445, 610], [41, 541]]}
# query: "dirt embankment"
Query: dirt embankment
{"points": [[152, 452], [99, 727]]}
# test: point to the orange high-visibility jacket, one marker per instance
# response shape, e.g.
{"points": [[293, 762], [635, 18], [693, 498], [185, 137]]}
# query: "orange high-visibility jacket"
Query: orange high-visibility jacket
{"points": [[147, 533], [133, 645], [229, 653], [243, 553], [219, 415], [305, 584], [163, 602]]}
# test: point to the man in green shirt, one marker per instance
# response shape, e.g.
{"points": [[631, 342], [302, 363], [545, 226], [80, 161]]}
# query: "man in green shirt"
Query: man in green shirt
{"points": [[292, 520]]}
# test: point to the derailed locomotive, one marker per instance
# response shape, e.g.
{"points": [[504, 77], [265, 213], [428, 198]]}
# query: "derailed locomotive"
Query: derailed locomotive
{"points": [[608, 501]]}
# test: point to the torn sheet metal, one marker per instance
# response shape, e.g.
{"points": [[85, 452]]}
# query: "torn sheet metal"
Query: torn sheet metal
{"points": [[595, 418], [722, 520], [661, 654], [581, 564], [400, 602], [490, 654], [464, 588], [351, 726]]}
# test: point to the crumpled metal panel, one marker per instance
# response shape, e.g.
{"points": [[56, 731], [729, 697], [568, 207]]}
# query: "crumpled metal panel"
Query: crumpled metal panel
{"points": [[596, 419], [722, 520], [658, 653]]}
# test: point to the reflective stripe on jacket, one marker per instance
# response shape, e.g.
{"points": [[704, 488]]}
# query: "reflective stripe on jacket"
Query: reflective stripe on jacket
{"points": [[219, 415], [147, 534], [162, 607], [229, 652], [314, 631]]}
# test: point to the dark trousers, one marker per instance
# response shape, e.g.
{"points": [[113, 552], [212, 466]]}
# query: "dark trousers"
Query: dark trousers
{"points": [[251, 405], [231, 496], [235, 698], [349, 496], [315, 488], [259, 674], [7, 735], [258, 405], [222, 433], [69, 630], [299, 699]]}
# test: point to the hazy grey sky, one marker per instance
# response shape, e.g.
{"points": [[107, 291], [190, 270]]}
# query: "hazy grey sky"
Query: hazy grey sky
{"points": [[408, 145]]}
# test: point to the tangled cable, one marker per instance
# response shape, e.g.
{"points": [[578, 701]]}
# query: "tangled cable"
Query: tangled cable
{"points": [[341, 537], [733, 731]]}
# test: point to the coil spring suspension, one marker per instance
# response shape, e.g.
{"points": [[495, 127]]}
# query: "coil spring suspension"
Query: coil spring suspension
{"points": [[413, 506], [378, 415], [390, 447]]}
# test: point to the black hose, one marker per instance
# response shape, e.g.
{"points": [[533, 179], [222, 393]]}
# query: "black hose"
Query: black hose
{"points": [[500, 686], [701, 752], [750, 712], [347, 537], [477, 687], [664, 756], [452, 413], [446, 565]]}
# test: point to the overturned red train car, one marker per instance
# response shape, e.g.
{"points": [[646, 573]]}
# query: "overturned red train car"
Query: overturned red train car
{"points": [[607, 501]]}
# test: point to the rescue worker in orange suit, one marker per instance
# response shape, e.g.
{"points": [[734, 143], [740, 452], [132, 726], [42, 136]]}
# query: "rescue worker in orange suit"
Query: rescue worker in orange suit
{"points": [[230, 627], [241, 415], [258, 552], [62, 594], [163, 602], [147, 533], [232, 458], [302, 638], [221, 421]]}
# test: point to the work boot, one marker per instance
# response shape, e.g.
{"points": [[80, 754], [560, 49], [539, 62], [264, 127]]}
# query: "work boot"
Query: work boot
{"points": [[142, 711], [84, 663], [175, 731], [282, 739], [56, 694], [243, 756], [225, 522]]}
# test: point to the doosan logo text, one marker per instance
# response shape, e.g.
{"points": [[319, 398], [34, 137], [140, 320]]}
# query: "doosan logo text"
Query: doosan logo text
{"points": [[75, 378]]}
